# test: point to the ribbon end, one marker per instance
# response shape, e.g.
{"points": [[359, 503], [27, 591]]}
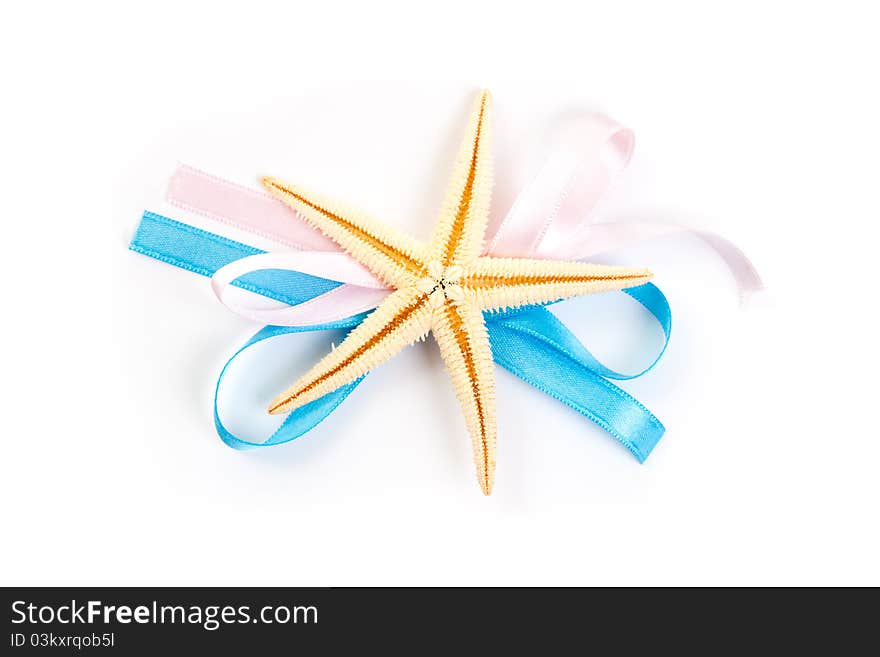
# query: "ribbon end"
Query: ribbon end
{"points": [[747, 295], [645, 442]]}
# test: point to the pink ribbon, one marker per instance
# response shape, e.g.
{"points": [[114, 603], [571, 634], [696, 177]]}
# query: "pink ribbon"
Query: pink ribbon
{"points": [[243, 208], [586, 155], [551, 218]]}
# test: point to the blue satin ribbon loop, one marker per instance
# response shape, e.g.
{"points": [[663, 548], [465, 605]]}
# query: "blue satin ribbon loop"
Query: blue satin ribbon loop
{"points": [[302, 419], [539, 349], [529, 342]]}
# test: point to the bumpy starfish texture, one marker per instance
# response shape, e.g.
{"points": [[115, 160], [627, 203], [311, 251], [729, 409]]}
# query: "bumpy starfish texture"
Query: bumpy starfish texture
{"points": [[441, 287]]}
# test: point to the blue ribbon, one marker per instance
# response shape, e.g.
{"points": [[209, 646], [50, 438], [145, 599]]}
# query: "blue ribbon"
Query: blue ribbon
{"points": [[529, 342]]}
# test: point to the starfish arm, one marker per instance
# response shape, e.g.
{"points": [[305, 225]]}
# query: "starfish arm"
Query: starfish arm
{"points": [[458, 238], [401, 319], [396, 258], [464, 345], [497, 283]]}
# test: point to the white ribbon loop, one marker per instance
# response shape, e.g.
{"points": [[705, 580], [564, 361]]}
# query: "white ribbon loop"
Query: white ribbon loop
{"points": [[361, 291]]}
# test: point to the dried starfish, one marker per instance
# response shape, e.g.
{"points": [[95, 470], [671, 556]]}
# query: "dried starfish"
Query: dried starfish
{"points": [[441, 287]]}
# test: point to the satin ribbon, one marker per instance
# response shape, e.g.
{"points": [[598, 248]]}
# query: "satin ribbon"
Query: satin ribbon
{"points": [[319, 288], [529, 342], [552, 217], [359, 292], [242, 207]]}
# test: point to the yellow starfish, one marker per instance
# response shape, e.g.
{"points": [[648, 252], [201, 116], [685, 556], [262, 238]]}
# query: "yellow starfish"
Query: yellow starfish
{"points": [[441, 287]]}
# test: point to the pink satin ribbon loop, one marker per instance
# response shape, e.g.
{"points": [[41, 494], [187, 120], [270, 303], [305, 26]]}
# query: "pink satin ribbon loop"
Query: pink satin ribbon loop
{"points": [[553, 215], [587, 153]]}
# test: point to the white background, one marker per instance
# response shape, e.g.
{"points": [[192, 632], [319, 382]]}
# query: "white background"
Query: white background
{"points": [[759, 122]]}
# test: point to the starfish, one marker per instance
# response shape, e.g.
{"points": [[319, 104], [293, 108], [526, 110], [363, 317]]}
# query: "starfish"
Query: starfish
{"points": [[440, 287]]}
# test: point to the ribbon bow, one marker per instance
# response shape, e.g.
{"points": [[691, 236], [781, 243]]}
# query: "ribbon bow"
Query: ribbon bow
{"points": [[317, 287]]}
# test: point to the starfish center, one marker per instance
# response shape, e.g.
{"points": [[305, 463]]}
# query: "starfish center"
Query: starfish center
{"points": [[442, 283]]}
